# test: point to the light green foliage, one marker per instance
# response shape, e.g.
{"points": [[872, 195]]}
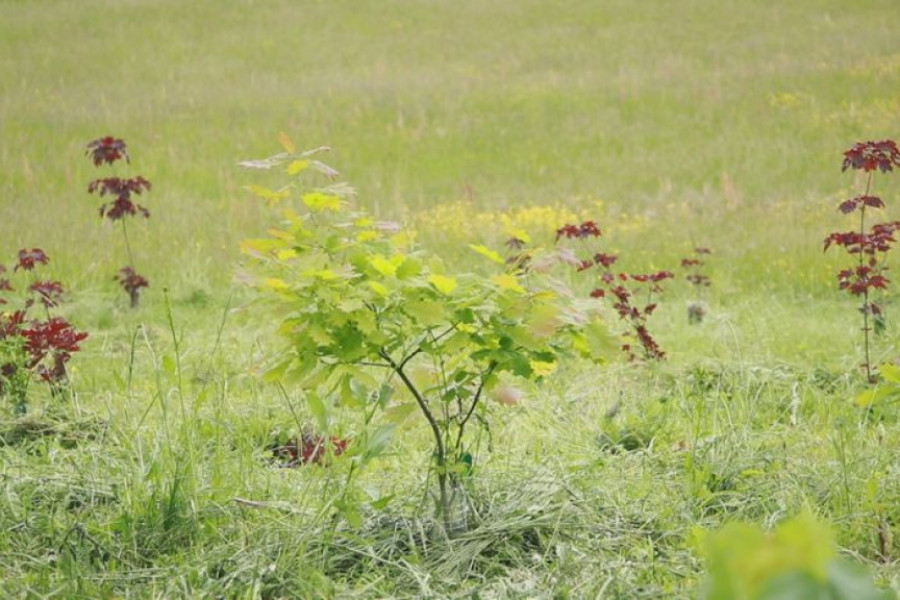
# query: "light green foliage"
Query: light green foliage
{"points": [[366, 312], [797, 560], [886, 390]]}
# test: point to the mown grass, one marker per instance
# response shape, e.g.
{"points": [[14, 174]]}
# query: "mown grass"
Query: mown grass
{"points": [[672, 124]]}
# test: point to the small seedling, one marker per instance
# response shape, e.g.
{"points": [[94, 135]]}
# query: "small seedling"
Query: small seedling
{"points": [[374, 323], [613, 286], [34, 347], [699, 280], [868, 246], [109, 150]]}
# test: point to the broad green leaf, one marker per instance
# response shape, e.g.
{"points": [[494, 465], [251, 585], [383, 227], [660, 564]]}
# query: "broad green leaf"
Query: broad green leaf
{"points": [[350, 305], [277, 372], [286, 254], [366, 236], [505, 281], [296, 167], [455, 343], [319, 334], [541, 368], [275, 283], [442, 283], [850, 581], [889, 372], [410, 268], [426, 312], [348, 345], [378, 288], [807, 541], [365, 322], [793, 585], [875, 395], [593, 341], [379, 440], [323, 274], [398, 413], [385, 392], [488, 253], [385, 266], [318, 202], [544, 320]]}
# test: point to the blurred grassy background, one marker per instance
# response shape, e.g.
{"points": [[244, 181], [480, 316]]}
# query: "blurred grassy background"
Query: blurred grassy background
{"points": [[719, 121]]}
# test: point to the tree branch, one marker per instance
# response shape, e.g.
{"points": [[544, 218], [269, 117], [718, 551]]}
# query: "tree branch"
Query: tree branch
{"points": [[462, 424], [423, 406]]}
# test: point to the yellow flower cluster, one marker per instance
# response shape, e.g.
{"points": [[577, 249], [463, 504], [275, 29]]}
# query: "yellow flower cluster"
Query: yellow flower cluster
{"points": [[464, 221]]}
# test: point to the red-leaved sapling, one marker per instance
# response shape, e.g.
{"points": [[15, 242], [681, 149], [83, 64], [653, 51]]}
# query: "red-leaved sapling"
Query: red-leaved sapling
{"points": [[33, 347], [614, 286], [868, 246], [109, 150]]}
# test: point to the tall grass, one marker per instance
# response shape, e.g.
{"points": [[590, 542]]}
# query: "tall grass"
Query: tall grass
{"points": [[671, 123]]}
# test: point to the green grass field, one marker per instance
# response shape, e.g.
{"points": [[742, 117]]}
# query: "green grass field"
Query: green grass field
{"points": [[672, 123]]}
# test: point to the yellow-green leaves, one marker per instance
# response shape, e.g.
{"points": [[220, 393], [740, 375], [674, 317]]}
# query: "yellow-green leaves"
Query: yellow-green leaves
{"points": [[542, 368], [322, 274], [505, 281], [886, 390], [364, 307], [318, 202], [379, 288], [889, 372], [386, 266], [442, 283], [487, 253], [295, 167], [275, 283], [796, 560]]}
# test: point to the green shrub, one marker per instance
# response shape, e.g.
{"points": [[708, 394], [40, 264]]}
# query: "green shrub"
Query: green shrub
{"points": [[375, 324]]}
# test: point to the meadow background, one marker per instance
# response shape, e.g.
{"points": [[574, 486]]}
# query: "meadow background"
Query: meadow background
{"points": [[672, 124]]}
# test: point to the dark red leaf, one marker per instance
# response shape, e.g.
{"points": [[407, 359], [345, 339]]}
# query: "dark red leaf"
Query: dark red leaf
{"points": [[106, 150], [49, 292], [130, 280], [868, 156], [605, 260], [122, 189], [29, 258]]}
